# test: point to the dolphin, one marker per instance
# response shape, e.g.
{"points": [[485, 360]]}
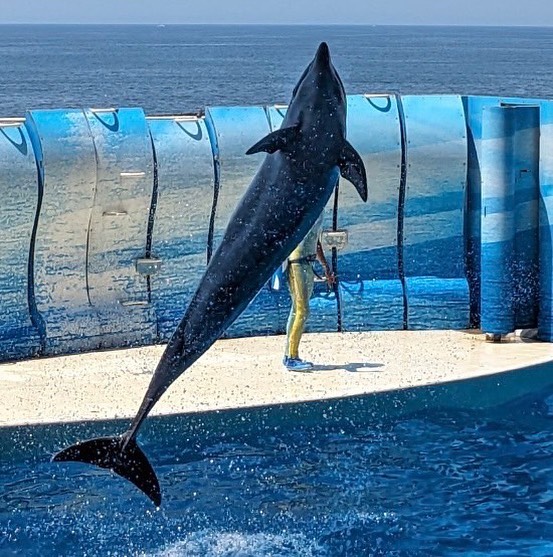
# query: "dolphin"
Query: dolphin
{"points": [[286, 196]]}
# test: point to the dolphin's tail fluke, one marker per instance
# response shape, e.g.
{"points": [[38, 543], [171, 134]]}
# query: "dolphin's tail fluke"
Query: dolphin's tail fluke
{"points": [[122, 455]]}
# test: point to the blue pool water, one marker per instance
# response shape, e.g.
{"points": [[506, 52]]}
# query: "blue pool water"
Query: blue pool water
{"points": [[441, 482]]}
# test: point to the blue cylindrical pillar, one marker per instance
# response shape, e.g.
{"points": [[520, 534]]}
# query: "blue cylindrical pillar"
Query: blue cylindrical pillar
{"points": [[545, 318], [526, 141], [498, 221]]}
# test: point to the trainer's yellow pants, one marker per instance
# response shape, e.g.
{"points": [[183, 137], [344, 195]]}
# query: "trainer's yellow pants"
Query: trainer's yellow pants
{"points": [[300, 282]]}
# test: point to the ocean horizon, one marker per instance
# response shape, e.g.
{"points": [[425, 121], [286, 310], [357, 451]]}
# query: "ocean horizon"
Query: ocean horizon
{"points": [[179, 68]]}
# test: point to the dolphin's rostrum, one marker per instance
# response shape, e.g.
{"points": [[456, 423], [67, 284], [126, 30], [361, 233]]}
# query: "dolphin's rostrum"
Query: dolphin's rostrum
{"points": [[289, 191]]}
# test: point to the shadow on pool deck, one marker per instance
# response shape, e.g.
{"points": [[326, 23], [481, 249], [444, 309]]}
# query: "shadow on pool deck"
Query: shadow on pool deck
{"points": [[360, 367]]}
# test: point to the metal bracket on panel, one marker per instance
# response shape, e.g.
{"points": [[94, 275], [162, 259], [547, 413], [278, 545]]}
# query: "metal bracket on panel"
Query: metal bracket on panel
{"points": [[505, 104], [134, 303], [376, 95], [11, 122], [192, 117], [132, 174], [334, 239], [148, 266], [187, 118]]}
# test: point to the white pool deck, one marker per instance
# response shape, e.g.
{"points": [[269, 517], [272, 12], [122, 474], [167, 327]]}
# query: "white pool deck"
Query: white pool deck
{"points": [[248, 372]]}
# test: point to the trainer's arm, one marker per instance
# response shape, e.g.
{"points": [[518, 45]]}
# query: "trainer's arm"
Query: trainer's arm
{"points": [[330, 276]]}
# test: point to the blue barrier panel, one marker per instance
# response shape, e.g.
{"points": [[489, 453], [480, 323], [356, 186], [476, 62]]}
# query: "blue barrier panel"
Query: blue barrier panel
{"points": [[275, 115], [422, 292], [234, 130], [370, 288], [372, 304], [434, 210], [368, 265], [111, 268], [498, 220], [119, 224], [185, 178], [19, 337], [67, 162], [526, 162], [473, 114], [545, 318]]}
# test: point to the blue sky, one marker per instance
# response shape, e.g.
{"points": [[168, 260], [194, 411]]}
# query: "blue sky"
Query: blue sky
{"points": [[430, 12]]}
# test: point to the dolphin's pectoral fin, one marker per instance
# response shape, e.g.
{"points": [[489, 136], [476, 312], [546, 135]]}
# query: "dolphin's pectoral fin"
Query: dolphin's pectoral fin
{"points": [[112, 453], [353, 169], [278, 140]]}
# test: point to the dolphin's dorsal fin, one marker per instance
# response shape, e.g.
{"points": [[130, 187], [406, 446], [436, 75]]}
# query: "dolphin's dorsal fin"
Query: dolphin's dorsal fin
{"points": [[353, 169], [278, 140]]}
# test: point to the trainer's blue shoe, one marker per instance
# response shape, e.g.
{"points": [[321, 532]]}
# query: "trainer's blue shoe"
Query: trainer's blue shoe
{"points": [[296, 364]]}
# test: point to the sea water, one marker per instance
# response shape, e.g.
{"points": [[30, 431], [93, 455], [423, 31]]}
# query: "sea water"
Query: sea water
{"points": [[177, 69]]}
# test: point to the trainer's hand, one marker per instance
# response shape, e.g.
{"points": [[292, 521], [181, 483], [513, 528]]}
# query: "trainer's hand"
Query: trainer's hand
{"points": [[330, 278]]}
